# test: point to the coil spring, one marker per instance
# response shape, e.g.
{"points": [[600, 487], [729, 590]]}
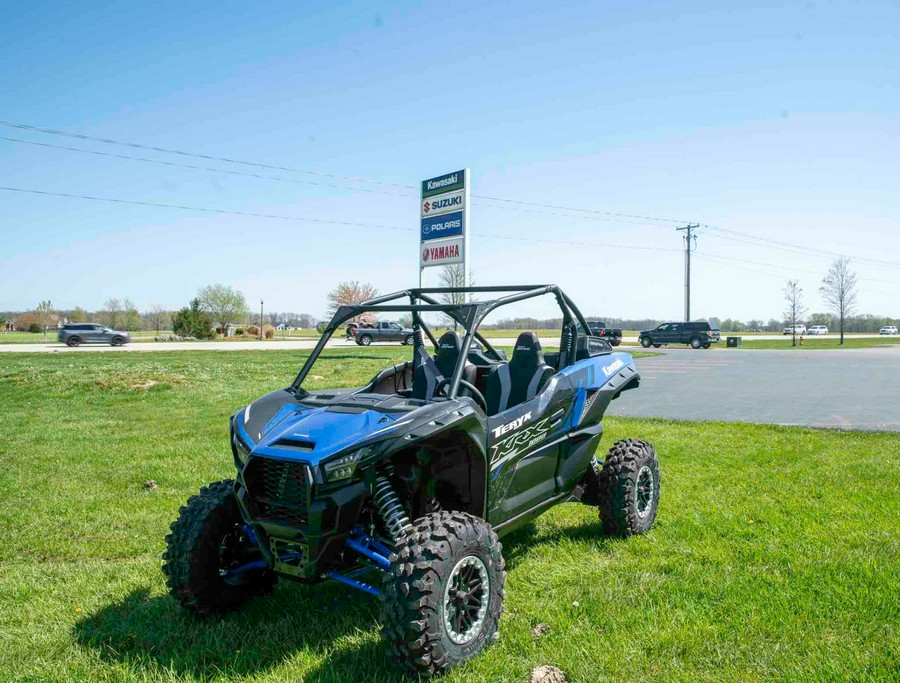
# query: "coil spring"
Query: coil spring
{"points": [[388, 504]]}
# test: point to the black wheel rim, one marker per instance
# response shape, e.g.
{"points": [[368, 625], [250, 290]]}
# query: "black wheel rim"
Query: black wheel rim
{"points": [[466, 598], [644, 490]]}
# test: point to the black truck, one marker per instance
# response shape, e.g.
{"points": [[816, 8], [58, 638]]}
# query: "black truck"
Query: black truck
{"points": [[611, 334], [381, 331]]}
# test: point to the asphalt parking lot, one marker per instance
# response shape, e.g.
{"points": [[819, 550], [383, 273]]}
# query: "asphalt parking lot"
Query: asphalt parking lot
{"points": [[847, 389]]}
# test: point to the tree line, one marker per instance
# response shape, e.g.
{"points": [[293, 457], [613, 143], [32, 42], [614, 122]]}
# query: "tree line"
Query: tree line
{"points": [[216, 309]]}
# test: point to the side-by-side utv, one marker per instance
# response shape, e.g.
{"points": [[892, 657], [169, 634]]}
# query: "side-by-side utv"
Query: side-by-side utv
{"points": [[401, 488]]}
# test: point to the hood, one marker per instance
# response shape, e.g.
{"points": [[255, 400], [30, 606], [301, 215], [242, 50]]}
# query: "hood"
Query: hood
{"points": [[312, 434]]}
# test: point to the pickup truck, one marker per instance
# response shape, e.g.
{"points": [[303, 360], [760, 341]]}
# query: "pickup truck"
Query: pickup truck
{"points": [[611, 334], [381, 331]]}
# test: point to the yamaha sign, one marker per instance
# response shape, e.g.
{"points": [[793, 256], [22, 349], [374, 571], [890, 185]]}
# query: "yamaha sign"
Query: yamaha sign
{"points": [[444, 220]]}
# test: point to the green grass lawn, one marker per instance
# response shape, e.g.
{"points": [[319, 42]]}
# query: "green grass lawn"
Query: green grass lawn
{"points": [[828, 342], [775, 555]]}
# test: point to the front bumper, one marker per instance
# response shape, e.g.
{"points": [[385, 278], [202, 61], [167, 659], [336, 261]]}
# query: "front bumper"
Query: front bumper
{"points": [[315, 526]]}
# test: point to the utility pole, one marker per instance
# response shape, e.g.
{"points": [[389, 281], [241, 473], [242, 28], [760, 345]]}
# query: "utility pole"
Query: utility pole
{"points": [[688, 248], [260, 319]]}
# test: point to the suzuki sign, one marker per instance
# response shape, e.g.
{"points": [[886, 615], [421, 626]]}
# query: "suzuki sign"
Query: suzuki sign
{"points": [[444, 220], [440, 204]]}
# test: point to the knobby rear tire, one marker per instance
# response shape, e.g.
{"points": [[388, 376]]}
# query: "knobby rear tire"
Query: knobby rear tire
{"points": [[628, 465]]}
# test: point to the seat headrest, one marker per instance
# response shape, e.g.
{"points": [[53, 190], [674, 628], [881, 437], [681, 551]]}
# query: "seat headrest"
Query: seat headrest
{"points": [[449, 344], [527, 350]]}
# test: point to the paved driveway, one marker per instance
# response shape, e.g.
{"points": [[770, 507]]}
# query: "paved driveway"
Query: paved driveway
{"points": [[851, 388]]}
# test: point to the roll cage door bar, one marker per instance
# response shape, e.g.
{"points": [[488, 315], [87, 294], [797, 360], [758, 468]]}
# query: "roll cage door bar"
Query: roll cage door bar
{"points": [[469, 315]]}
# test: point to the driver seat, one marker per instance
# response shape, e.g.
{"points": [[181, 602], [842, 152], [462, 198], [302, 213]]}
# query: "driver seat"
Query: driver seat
{"points": [[520, 380], [429, 373]]}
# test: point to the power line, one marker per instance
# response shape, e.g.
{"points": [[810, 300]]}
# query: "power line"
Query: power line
{"points": [[208, 157], [261, 176], [201, 168], [572, 208], [792, 269], [198, 208], [788, 246], [251, 214]]}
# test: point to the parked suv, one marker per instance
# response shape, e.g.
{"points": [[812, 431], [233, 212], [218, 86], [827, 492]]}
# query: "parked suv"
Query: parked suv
{"points": [[697, 334], [74, 334], [796, 329], [888, 329], [817, 329]]}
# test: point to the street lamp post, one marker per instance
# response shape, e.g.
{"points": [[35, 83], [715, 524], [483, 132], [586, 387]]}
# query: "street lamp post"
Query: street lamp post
{"points": [[260, 319]]}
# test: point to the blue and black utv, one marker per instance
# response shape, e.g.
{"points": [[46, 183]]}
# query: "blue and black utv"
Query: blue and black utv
{"points": [[400, 488]]}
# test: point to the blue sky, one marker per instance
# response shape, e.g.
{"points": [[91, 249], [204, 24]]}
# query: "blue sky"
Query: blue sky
{"points": [[778, 120]]}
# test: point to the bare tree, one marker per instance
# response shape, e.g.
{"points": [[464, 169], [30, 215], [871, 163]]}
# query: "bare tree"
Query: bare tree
{"points": [[793, 294], [839, 290], [44, 314], [348, 293], [454, 275], [157, 314], [112, 312], [225, 304]]}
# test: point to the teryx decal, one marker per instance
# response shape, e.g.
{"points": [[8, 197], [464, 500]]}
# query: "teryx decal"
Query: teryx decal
{"points": [[521, 440]]}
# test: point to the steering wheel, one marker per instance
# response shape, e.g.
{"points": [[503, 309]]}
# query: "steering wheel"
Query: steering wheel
{"points": [[477, 395]]}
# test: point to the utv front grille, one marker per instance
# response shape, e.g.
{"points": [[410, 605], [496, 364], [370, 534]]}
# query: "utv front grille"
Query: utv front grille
{"points": [[279, 490]]}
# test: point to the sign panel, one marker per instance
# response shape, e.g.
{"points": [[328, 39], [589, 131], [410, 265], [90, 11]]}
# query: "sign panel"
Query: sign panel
{"points": [[444, 183], [444, 221], [447, 225], [440, 204], [442, 252]]}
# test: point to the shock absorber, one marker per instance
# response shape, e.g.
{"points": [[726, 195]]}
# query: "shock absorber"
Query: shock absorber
{"points": [[388, 504]]}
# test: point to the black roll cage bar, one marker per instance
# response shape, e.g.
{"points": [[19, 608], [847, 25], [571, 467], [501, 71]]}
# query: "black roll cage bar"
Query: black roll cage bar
{"points": [[469, 315]]}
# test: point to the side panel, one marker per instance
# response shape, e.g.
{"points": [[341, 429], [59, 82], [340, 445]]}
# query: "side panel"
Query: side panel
{"points": [[524, 445]]}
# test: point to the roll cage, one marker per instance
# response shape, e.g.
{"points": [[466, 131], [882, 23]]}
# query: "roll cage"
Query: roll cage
{"points": [[470, 315]]}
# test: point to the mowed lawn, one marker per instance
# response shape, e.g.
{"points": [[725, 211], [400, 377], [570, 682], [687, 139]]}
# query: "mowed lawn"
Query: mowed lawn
{"points": [[775, 555]]}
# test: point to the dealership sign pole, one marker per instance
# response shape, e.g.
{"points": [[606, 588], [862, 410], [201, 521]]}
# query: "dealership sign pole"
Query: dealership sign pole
{"points": [[444, 227]]}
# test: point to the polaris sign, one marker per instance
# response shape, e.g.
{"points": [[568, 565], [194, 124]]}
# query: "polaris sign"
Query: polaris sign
{"points": [[444, 220], [442, 226]]}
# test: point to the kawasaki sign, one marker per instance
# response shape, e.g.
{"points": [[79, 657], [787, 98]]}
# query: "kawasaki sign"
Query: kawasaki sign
{"points": [[444, 220]]}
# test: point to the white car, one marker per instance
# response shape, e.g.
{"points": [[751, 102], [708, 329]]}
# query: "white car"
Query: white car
{"points": [[797, 329], [888, 329], [817, 329]]}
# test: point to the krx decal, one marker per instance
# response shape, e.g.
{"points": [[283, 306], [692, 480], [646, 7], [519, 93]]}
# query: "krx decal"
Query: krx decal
{"points": [[519, 441]]}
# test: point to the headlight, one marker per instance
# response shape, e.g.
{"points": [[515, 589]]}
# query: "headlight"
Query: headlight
{"points": [[343, 467], [242, 453]]}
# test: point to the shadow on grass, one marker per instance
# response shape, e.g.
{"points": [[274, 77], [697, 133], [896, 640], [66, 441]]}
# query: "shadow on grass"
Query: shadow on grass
{"points": [[520, 542], [334, 627], [154, 635]]}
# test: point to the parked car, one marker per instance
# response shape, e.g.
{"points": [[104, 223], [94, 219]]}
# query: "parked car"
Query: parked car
{"points": [[817, 329], [382, 331], [74, 334], [888, 329], [796, 329], [698, 334]]}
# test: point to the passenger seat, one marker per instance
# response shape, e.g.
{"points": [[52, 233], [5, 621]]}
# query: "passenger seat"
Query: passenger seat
{"points": [[520, 380]]}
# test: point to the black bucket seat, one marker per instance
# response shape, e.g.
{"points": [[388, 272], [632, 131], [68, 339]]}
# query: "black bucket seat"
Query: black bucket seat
{"points": [[520, 380]]}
